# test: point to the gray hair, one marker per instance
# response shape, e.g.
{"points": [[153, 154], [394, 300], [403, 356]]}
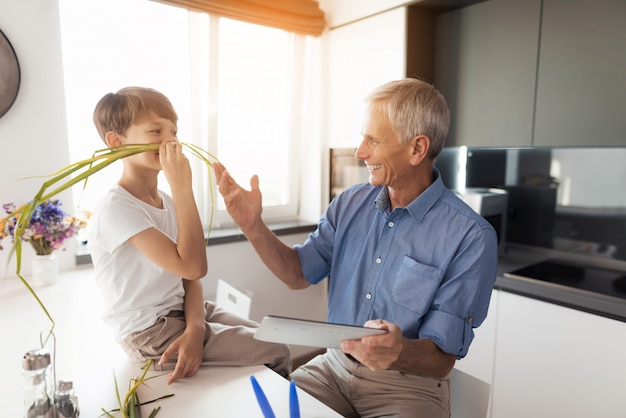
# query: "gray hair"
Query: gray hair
{"points": [[414, 107]]}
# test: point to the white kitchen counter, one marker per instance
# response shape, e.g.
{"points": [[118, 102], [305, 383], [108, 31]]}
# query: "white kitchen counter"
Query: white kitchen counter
{"points": [[87, 354]]}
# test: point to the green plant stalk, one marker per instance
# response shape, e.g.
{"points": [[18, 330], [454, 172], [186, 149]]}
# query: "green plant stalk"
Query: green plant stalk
{"points": [[130, 407], [100, 159]]}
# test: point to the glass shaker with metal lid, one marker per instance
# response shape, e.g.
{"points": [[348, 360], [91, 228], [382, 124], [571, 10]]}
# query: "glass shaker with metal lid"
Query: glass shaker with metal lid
{"points": [[65, 401], [38, 384]]}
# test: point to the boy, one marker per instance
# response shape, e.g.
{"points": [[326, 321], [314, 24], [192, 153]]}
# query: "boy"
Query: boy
{"points": [[149, 253]]}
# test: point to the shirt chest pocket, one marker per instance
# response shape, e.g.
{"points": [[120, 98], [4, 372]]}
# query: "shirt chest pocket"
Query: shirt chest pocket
{"points": [[415, 285]]}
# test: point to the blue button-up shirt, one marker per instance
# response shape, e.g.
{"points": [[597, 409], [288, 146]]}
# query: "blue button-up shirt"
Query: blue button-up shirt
{"points": [[428, 267]]}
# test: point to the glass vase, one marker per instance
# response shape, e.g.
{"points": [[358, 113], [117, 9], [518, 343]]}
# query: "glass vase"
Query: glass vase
{"points": [[44, 269]]}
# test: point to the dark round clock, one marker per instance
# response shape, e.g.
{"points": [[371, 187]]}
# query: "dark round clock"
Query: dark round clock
{"points": [[9, 74]]}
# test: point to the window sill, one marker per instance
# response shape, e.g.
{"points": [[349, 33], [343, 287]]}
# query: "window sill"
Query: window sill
{"points": [[229, 235], [234, 234]]}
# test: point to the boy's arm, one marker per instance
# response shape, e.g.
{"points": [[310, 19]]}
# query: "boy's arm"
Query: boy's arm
{"points": [[185, 257], [190, 344]]}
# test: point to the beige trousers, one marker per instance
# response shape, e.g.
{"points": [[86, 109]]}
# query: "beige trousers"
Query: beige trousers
{"points": [[228, 341], [353, 390]]}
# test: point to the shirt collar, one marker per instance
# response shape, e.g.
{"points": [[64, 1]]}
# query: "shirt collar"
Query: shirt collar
{"points": [[421, 204]]}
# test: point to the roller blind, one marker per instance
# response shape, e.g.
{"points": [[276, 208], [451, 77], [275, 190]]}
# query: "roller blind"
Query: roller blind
{"points": [[299, 16]]}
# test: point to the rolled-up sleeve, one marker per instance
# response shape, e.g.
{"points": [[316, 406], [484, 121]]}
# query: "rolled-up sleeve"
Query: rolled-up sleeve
{"points": [[462, 301]]}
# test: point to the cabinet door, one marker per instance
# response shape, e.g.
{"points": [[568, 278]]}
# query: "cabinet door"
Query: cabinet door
{"points": [[581, 84], [553, 361], [485, 66], [362, 56]]}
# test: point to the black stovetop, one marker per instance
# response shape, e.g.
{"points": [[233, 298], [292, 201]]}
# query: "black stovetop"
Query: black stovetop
{"points": [[592, 279]]}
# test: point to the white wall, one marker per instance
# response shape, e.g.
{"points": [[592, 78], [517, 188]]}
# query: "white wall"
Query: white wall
{"points": [[33, 132], [341, 12]]}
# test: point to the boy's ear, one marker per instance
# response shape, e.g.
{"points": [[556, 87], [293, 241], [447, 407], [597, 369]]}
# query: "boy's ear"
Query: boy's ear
{"points": [[113, 139]]}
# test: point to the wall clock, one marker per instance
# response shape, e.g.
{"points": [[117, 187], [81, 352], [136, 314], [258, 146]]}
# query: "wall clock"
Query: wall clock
{"points": [[9, 74]]}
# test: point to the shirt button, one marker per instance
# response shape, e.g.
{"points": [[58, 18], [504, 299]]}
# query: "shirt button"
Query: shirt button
{"points": [[368, 296], [379, 260], [469, 320], [390, 224]]}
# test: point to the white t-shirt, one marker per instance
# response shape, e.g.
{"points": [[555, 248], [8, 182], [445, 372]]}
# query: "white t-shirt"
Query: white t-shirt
{"points": [[136, 291]]}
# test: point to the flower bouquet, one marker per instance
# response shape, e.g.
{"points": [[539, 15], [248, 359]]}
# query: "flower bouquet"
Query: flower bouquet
{"points": [[48, 228]]}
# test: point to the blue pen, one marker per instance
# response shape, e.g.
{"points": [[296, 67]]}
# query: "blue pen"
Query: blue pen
{"points": [[294, 406], [261, 399]]}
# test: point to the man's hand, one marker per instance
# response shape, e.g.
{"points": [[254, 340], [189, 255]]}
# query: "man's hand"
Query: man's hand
{"points": [[378, 352], [244, 206], [189, 347]]}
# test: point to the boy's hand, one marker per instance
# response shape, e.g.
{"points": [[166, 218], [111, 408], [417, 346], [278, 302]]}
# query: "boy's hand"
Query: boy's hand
{"points": [[189, 347], [175, 165]]}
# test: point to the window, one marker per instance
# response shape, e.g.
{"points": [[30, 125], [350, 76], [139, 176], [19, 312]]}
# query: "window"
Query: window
{"points": [[238, 90]]}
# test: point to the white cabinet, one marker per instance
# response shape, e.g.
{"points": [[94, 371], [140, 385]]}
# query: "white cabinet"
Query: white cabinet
{"points": [[361, 56], [485, 66], [552, 361], [581, 84]]}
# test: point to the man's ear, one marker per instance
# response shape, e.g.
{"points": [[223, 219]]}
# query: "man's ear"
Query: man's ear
{"points": [[420, 146], [113, 139]]}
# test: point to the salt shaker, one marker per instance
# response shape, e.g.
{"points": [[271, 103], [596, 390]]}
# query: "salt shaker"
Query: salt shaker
{"points": [[65, 401], [38, 384]]}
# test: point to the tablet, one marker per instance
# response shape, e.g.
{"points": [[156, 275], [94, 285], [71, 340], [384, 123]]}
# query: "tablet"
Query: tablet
{"points": [[278, 329]]}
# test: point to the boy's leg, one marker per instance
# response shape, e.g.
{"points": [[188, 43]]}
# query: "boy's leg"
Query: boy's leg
{"points": [[152, 342], [229, 340]]}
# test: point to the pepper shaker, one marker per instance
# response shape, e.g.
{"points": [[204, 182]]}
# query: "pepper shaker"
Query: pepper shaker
{"points": [[65, 401]]}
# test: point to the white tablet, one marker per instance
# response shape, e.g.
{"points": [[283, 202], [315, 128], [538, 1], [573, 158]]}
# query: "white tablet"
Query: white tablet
{"points": [[279, 329]]}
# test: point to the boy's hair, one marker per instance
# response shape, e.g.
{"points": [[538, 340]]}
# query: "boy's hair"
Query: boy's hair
{"points": [[119, 111]]}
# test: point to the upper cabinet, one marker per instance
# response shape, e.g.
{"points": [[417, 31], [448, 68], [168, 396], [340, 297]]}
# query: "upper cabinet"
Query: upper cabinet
{"points": [[516, 73], [581, 84], [485, 66], [534, 73]]}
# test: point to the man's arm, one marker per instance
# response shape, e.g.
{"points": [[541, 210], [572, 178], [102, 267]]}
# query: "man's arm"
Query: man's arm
{"points": [[245, 208]]}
